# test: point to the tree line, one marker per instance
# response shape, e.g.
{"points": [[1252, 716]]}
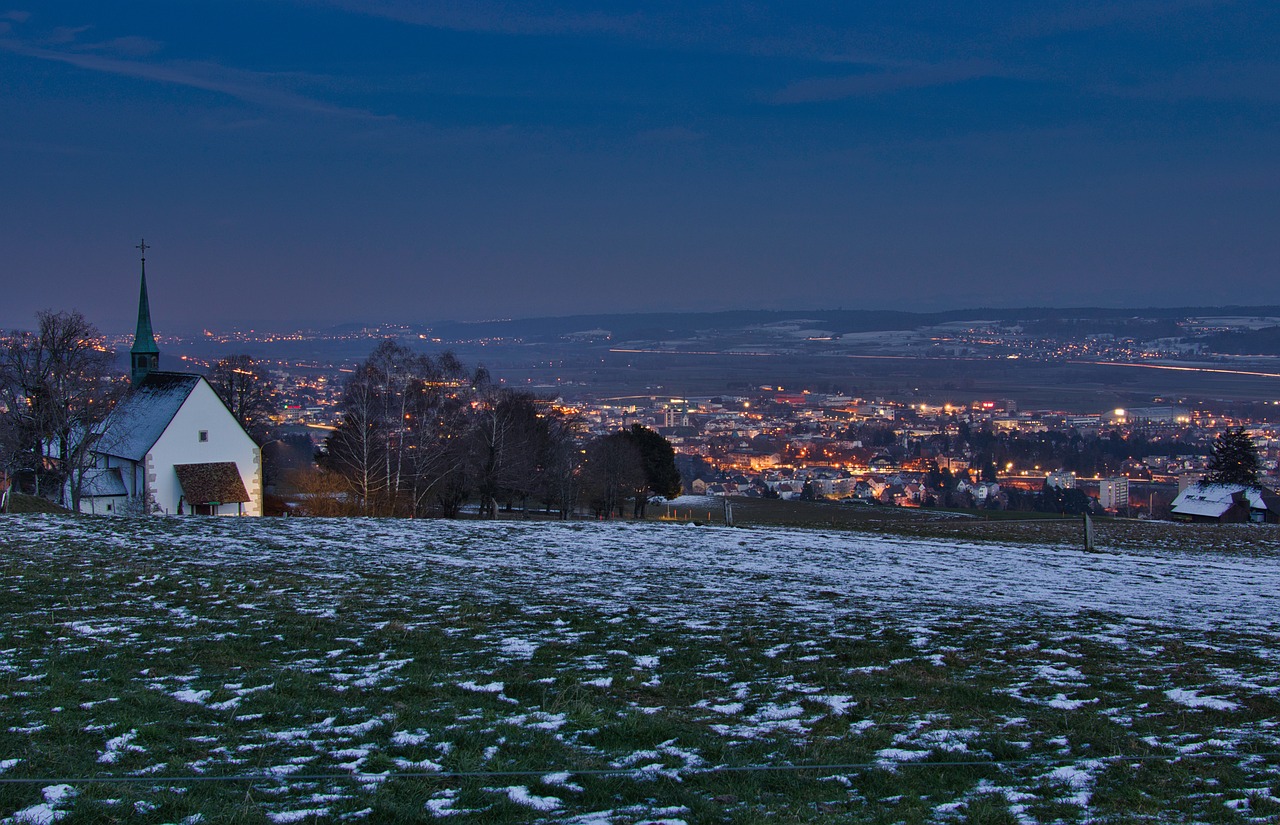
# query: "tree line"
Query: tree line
{"points": [[419, 434], [422, 435]]}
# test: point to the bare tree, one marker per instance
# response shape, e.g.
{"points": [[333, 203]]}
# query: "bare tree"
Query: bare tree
{"points": [[403, 433], [507, 434], [356, 450], [438, 422], [248, 392], [562, 457], [420, 434], [56, 386]]}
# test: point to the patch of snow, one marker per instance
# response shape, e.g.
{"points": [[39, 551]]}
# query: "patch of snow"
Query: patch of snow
{"points": [[728, 708], [192, 697], [893, 755], [538, 720], [839, 703], [520, 795], [298, 815], [357, 729], [45, 813], [561, 780], [1061, 702], [1193, 699], [118, 745], [518, 648], [1077, 778], [406, 739]]}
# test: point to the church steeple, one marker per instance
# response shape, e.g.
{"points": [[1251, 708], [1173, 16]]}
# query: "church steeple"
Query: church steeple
{"points": [[144, 356]]}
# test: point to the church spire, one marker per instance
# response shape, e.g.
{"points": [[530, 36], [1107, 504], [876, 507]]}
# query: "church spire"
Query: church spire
{"points": [[144, 356]]}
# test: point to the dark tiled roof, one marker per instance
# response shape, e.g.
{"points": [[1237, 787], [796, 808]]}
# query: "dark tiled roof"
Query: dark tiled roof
{"points": [[140, 419], [215, 483]]}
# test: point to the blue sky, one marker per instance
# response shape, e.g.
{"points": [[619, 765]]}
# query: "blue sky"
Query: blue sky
{"points": [[310, 161]]}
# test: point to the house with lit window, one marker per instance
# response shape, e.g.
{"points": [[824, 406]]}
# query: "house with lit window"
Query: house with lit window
{"points": [[171, 445]]}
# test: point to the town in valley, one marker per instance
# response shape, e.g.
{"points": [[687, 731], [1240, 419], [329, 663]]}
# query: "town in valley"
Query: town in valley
{"points": [[967, 414]]}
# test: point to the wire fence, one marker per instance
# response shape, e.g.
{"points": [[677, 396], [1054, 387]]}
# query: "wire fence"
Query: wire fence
{"points": [[648, 771]]}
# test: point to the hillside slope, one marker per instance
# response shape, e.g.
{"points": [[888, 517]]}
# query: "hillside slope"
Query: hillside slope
{"points": [[627, 672]]}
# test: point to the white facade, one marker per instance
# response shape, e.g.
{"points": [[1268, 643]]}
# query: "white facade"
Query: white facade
{"points": [[1113, 493], [1062, 479], [224, 440]]}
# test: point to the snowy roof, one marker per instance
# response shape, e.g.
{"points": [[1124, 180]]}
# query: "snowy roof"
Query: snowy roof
{"points": [[102, 482], [141, 418], [216, 482], [1213, 500]]}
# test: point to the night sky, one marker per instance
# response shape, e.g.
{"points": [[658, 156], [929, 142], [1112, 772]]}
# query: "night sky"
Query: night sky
{"points": [[312, 162]]}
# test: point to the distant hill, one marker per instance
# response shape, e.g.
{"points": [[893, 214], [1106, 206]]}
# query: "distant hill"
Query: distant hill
{"points": [[842, 321]]}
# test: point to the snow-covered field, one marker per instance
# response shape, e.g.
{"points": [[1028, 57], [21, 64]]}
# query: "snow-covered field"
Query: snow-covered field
{"points": [[597, 673]]}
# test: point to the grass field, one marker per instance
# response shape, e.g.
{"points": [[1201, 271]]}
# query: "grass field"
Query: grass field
{"points": [[204, 670]]}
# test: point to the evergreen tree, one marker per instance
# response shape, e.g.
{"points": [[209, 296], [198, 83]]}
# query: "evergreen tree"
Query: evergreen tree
{"points": [[1234, 460], [658, 458]]}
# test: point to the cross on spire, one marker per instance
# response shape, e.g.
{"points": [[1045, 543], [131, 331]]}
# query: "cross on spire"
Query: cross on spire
{"points": [[143, 246]]}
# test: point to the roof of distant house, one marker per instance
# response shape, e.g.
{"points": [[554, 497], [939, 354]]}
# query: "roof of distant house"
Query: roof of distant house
{"points": [[1213, 500]]}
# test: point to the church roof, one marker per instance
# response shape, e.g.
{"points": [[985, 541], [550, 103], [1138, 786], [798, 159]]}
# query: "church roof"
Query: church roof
{"points": [[138, 421], [217, 482]]}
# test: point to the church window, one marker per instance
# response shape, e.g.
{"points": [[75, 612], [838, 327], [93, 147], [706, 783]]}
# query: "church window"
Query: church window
{"points": [[204, 436]]}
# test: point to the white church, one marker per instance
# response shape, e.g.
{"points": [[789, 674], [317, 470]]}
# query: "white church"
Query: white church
{"points": [[171, 446]]}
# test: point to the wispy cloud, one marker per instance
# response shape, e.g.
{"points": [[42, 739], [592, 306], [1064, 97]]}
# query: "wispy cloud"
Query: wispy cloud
{"points": [[881, 82], [1088, 16], [61, 35], [747, 30], [491, 16], [267, 89], [128, 46]]}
